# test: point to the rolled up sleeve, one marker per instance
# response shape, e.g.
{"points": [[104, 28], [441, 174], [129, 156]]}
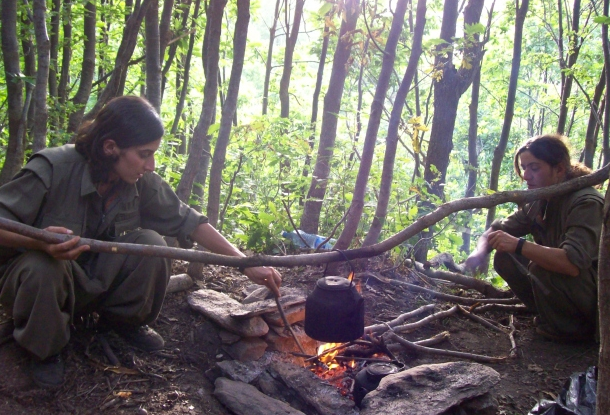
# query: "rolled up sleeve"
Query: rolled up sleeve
{"points": [[583, 231]]}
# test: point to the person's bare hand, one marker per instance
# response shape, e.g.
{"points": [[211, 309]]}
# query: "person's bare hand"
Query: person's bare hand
{"points": [[476, 263], [67, 250], [267, 276], [502, 242]]}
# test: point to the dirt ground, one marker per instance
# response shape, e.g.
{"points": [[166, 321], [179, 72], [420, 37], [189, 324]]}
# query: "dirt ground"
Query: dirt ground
{"points": [[173, 381]]}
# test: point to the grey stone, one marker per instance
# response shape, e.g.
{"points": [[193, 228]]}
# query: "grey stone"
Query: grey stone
{"points": [[228, 338], [429, 389], [294, 314], [179, 282], [247, 349], [245, 399], [266, 306], [218, 308], [241, 371]]}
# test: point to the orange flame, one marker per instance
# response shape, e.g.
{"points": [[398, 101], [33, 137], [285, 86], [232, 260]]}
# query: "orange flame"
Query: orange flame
{"points": [[351, 275]]}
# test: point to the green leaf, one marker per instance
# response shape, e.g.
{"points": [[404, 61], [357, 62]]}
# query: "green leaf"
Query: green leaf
{"points": [[326, 7]]}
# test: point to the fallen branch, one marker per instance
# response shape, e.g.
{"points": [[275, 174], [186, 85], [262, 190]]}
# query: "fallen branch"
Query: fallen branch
{"points": [[426, 221], [439, 352], [424, 321], [481, 286], [383, 327], [439, 338], [454, 298], [482, 321], [506, 308]]}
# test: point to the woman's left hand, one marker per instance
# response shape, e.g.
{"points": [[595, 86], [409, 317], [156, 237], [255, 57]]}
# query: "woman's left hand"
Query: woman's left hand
{"points": [[502, 242], [267, 276]]}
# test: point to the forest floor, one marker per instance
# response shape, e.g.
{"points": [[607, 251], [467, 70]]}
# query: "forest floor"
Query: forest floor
{"points": [[173, 381]]}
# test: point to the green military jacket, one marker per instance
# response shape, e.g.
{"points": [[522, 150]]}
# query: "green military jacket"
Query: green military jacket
{"points": [[571, 222], [55, 189]]}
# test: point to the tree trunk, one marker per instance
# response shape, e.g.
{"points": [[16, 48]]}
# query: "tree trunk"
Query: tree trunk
{"points": [[332, 106], [184, 9], [126, 48], [387, 175], [269, 62], [199, 141], [54, 48], [187, 71], [153, 58], [368, 151], [43, 45], [448, 90], [228, 110], [472, 168], [14, 90], [291, 42], [594, 121], [66, 56], [567, 65], [88, 67], [603, 296], [500, 149]]}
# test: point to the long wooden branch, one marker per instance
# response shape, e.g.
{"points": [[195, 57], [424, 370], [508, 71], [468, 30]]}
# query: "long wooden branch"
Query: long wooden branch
{"points": [[383, 327], [429, 350], [444, 210]]}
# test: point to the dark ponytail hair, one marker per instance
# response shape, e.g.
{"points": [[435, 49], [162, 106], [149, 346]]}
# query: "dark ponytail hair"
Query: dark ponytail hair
{"points": [[128, 120], [552, 149]]}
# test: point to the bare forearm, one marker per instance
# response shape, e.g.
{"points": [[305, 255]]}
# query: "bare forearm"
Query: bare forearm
{"points": [[551, 259], [208, 237]]}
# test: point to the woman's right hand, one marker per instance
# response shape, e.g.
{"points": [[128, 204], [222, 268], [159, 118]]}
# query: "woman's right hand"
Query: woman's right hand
{"points": [[477, 263], [67, 250]]}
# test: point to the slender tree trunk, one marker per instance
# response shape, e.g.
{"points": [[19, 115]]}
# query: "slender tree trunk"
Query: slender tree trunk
{"points": [[199, 141], [387, 175], [332, 106], [228, 110], [500, 149], [88, 67], [164, 27], [153, 58], [368, 151], [54, 48], [568, 64], [174, 46], [43, 45], [603, 296], [29, 69], [14, 90], [268, 64], [187, 71], [66, 57], [594, 121], [126, 48], [291, 42], [472, 168]]}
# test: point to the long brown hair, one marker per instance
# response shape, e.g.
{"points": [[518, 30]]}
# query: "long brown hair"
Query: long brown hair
{"points": [[128, 120], [552, 149]]}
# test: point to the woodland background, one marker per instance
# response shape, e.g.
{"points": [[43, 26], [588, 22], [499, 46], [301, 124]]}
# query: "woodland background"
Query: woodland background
{"points": [[344, 118]]}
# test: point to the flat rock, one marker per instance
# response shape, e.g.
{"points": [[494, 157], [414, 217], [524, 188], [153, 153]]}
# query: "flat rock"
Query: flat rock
{"points": [[179, 282], [241, 371], [294, 314], [266, 306], [218, 308], [245, 399], [429, 389], [325, 398], [255, 293]]}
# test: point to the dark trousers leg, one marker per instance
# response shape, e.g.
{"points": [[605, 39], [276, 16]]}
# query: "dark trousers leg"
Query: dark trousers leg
{"points": [[37, 291], [126, 289], [517, 280]]}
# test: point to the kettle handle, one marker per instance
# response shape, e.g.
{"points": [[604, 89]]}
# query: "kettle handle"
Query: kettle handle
{"points": [[351, 281]]}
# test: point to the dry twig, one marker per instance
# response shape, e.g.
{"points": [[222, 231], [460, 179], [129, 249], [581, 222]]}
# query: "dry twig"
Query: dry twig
{"points": [[383, 327], [429, 350], [418, 324]]}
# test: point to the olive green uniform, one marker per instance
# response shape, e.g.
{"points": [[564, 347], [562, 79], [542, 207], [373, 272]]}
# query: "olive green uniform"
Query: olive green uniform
{"points": [[44, 294], [567, 304]]}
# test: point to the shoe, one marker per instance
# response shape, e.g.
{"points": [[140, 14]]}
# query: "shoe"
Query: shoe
{"points": [[142, 337], [546, 332], [48, 373]]}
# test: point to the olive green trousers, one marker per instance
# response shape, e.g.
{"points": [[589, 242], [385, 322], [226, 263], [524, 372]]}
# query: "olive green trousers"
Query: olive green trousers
{"points": [[568, 305], [43, 294]]}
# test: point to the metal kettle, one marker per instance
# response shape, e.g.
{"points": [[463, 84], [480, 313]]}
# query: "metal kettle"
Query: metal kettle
{"points": [[334, 311]]}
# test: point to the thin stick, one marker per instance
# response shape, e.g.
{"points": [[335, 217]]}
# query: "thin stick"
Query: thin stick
{"points": [[383, 327], [481, 320], [287, 324], [439, 338], [439, 352], [514, 308], [454, 298], [362, 359], [424, 321], [511, 336]]}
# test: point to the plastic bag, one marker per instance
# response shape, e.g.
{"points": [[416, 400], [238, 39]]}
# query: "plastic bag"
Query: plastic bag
{"points": [[576, 398]]}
